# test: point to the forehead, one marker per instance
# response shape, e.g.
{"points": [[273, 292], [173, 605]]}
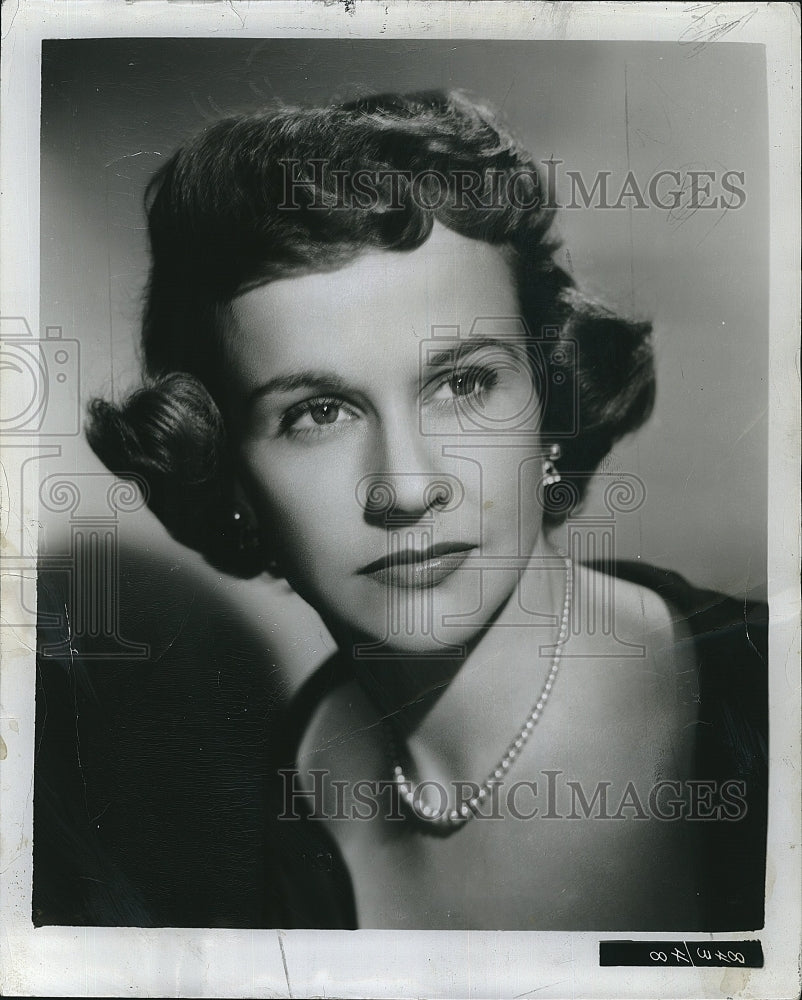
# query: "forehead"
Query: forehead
{"points": [[375, 310]]}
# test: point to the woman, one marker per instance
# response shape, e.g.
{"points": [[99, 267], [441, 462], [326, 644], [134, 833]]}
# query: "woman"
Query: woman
{"points": [[366, 373]]}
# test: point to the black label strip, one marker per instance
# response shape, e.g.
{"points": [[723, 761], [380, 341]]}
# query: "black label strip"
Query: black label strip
{"points": [[660, 954]]}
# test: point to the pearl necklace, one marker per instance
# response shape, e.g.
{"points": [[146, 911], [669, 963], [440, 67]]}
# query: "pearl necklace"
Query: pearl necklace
{"points": [[451, 819]]}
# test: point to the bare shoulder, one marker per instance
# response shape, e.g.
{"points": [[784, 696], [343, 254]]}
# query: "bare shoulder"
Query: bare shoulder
{"points": [[648, 662], [633, 614], [638, 690]]}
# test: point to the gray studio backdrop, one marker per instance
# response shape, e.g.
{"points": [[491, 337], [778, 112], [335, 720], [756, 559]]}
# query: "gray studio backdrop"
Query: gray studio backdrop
{"points": [[113, 110]]}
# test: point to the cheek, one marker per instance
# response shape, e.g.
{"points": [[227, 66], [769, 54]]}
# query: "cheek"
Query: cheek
{"points": [[303, 503], [510, 479]]}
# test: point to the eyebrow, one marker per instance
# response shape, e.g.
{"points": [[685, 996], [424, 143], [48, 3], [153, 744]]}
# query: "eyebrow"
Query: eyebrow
{"points": [[467, 347], [327, 381], [308, 378]]}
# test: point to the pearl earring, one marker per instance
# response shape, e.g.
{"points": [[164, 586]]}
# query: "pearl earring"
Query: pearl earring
{"points": [[551, 474], [246, 536]]}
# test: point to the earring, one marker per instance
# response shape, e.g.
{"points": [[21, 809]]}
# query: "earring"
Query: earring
{"points": [[246, 536], [551, 474], [248, 544]]}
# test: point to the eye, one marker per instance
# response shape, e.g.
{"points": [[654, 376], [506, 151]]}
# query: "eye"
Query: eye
{"points": [[316, 416], [465, 383]]}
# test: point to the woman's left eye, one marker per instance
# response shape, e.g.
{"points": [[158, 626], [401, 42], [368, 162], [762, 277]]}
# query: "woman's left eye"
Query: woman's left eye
{"points": [[465, 382], [315, 416]]}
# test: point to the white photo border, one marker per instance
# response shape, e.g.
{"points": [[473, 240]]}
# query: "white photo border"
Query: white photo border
{"points": [[65, 961]]}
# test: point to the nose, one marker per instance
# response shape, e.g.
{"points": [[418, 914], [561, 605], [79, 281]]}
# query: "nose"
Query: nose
{"points": [[406, 484]]}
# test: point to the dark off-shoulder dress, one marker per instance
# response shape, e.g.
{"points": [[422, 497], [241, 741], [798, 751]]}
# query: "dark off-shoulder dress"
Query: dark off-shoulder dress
{"points": [[155, 797]]}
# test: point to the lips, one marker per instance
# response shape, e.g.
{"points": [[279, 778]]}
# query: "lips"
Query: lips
{"points": [[418, 569]]}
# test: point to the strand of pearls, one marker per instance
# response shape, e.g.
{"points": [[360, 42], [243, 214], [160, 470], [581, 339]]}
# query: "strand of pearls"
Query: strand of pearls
{"points": [[452, 818]]}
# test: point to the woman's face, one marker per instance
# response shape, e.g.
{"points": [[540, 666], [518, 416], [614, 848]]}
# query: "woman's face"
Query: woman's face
{"points": [[389, 439]]}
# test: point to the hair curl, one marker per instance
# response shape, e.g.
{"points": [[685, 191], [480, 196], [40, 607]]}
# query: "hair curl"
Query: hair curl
{"points": [[216, 229]]}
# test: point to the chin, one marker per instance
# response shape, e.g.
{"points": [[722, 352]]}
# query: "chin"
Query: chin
{"points": [[403, 637], [411, 647], [411, 622]]}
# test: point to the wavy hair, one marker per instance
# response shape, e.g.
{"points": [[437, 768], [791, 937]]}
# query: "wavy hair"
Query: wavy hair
{"points": [[219, 223]]}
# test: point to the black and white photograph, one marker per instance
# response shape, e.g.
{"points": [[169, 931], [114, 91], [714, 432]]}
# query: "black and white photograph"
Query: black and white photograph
{"points": [[400, 506]]}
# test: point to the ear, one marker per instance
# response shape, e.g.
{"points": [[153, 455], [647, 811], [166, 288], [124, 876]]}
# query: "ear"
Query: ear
{"points": [[240, 503], [248, 541]]}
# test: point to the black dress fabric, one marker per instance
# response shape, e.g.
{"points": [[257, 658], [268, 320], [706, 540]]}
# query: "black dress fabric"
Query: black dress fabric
{"points": [[155, 790]]}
